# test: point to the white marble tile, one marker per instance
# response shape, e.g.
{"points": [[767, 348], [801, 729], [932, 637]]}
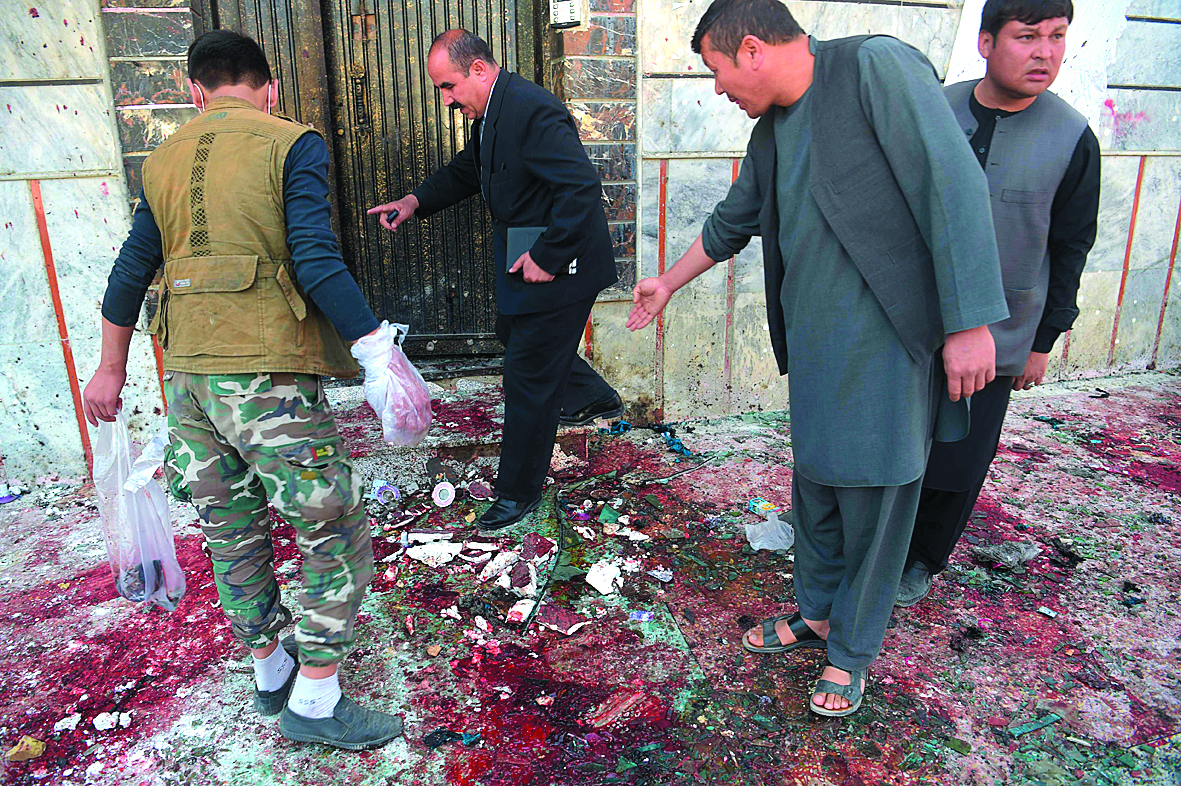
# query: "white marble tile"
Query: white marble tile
{"points": [[1147, 53], [1117, 190], [38, 427], [703, 121], [1090, 339], [58, 39], [1156, 218], [648, 247], [694, 353], [1161, 9], [1141, 120], [1139, 315], [1169, 353], [755, 381], [656, 110], [57, 129], [24, 287]]}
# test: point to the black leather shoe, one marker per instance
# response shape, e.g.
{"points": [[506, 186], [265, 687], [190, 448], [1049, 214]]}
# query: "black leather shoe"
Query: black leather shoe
{"points": [[351, 727], [610, 407], [505, 512], [272, 702]]}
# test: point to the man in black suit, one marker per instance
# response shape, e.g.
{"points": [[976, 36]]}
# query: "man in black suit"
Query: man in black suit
{"points": [[525, 158]]}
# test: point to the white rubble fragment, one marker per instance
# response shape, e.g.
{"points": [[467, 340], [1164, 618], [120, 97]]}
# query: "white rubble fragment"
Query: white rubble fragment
{"points": [[482, 624], [521, 610], [450, 611], [586, 533], [477, 559], [605, 576], [479, 545], [67, 724], [105, 721], [435, 554], [500, 564]]}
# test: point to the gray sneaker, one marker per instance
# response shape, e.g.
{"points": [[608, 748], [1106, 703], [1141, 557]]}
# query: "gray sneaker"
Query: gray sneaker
{"points": [[272, 702], [351, 727], [914, 586]]}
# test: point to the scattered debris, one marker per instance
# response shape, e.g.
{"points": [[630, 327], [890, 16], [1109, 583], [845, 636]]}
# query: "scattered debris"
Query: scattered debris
{"points": [[444, 494], [761, 507], [434, 650], [1054, 423], [441, 737], [1034, 725], [663, 575], [1047, 612], [564, 621], [641, 616], [605, 576], [616, 707], [1009, 554], [105, 721], [383, 491], [1100, 393], [26, 748], [436, 553], [68, 723], [479, 490], [521, 610]]}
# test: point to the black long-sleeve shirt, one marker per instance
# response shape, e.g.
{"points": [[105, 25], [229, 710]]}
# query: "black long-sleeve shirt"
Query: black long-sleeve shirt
{"points": [[1074, 221], [315, 253]]}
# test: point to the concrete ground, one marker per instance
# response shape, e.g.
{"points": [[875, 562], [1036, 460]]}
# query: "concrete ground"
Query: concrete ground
{"points": [[1062, 669]]}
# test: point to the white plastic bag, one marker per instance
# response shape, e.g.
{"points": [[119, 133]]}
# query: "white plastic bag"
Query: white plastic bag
{"points": [[774, 534], [140, 546], [393, 386]]}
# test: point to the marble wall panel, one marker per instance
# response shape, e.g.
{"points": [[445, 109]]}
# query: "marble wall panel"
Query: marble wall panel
{"points": [[148, 34], [754, 375], [142, 130], [1141, 120], [149, 82], [1156, 218], [604, 122], [619, 201], [703, 121], [1138, 318], [133, 174], [694, 353], [615, 162], [59, 39], [623, 238], [656, 99], [625, 359], [56, 129], [1148, 53], [612, 6], [1169, 352], [649, 249], [38, 429], [1160, 9], [595, 79], [603, 35], [1090, 339], [695, 186], [1117, 191], [24, 289], [667, 29]]}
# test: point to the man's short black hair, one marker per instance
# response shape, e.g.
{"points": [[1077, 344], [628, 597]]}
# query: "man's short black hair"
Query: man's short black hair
{"points": [[998, 13], [464, 48], [729, 21], [223, 57]]}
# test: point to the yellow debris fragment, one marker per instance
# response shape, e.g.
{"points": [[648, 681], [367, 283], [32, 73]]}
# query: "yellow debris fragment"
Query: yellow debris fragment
{"points": [[27, 748]]}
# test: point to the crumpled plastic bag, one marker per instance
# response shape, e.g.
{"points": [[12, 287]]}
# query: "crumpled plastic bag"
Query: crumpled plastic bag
{"points": [[774, 534], [151, 459], [141, 549], [393, 386]]}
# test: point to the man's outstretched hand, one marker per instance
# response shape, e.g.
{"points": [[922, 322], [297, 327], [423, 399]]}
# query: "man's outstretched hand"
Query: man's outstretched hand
{"points": [[650, 296], [969, 357], [391, 214]]}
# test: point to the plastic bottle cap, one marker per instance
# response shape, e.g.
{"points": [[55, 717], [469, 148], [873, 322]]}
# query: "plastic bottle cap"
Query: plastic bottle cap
{"points": [[444, 494]]}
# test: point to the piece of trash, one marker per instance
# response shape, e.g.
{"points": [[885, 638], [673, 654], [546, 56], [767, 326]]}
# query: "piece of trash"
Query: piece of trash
{"points": [[1047, 612], [1100, 393], [1054, 423], [535, 546], [689, 616], [563, 462], [409, 625], [383, 491], [434, 650], [105, 721], [654, 501], [608, 515], [616, 706], [561, 619], [1034, 725], [68, 723], [962, 747], [479, 490], [435, 554], [544, 701], [622, 427], [444, 494], [663, 575], [440, 737], [450, 611], [605, 576], [586, 533], [9, 493], [522, 579], [641, 616], [671, 441], [26, 748], [760, 506], [482, 624], [470, 517], [774, 534], [1009, 554], [520, 611], [414, 537]]}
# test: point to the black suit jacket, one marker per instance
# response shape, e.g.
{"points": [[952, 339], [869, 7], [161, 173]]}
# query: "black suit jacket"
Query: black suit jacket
{"points": [[535, 173]]}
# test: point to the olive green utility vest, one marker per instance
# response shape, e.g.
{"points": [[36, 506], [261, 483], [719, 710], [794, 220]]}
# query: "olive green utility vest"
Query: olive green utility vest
{"points": [[229, 299]]}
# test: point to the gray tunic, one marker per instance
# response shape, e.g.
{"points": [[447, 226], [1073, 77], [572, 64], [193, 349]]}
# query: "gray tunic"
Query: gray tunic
{"points": [[863, 411]]}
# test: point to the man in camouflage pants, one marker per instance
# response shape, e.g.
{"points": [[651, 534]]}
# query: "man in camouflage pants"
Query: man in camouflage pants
{"points": [[255, 300]]}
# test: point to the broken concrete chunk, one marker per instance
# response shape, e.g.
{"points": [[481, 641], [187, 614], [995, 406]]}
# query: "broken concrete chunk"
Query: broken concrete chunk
{"points": [[520, 611], [523, 579], [499, 565], [26, 748], [1009, 554], [605, 576], [67, 724], [436, 553], [535, 546], [105, 721], [560, 619]]}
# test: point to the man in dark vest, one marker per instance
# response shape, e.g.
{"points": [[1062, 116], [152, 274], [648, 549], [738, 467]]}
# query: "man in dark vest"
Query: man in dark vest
{"points": [[1042, 163], [525, 158], [881, 277], [255, 301]]}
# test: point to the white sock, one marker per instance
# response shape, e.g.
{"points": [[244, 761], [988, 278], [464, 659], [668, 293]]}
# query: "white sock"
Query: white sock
{"points": [[314, 698], [271, 672]]}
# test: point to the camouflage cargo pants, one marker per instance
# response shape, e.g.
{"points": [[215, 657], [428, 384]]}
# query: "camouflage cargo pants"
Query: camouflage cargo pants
{"points": [[239, 440]]}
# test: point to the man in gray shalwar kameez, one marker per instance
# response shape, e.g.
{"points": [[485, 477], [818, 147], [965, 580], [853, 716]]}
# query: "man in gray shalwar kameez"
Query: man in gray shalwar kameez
{"points": [[877, 254]]}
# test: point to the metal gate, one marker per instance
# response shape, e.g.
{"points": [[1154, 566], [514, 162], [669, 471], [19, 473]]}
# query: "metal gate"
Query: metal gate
{"points": [[356, 71]]}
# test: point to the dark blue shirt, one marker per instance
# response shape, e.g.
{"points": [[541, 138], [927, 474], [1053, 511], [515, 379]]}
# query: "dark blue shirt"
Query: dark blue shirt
{"points": [[315, 253]]}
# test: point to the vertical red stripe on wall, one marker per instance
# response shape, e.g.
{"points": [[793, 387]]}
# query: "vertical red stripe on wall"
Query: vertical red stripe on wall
{"points": [[731, 265], [1119, 303], [588, 339], [1164, 303], [661, 241], [67, 352]]}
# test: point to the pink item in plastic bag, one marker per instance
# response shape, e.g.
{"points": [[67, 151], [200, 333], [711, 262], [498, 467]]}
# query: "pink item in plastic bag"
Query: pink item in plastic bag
{"points": [[393, 386]]}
